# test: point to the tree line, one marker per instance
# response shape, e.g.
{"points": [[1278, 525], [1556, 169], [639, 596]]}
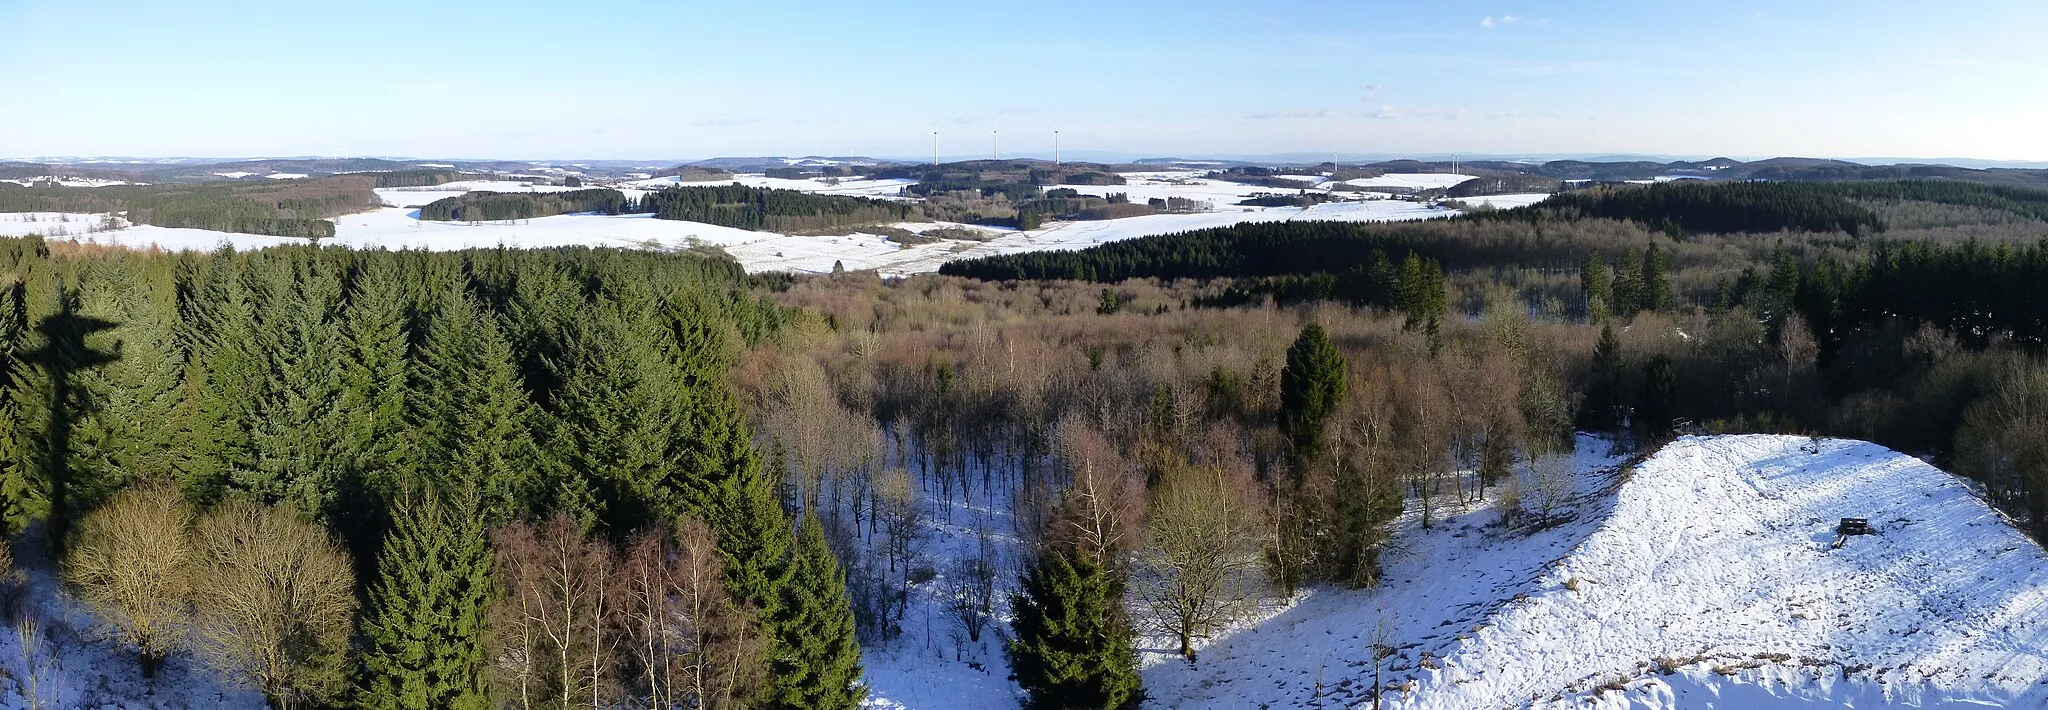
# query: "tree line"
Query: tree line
{"points": [[755, 208], [458, 441], [499, 206]]}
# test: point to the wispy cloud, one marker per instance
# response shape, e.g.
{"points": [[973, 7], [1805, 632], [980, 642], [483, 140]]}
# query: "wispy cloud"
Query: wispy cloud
{"points": [[1271, 115], [1490, 22]]}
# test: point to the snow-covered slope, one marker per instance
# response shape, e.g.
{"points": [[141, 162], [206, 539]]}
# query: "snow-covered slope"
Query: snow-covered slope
{"points": [[1713, 583], [1702, 577]]}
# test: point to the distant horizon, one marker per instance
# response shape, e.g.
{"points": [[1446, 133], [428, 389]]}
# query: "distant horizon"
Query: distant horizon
{"points": [[1089, 156]]}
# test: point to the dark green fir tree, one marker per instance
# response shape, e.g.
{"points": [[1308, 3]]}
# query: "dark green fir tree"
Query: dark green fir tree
{"points": [[424, 624], [818, 663]]}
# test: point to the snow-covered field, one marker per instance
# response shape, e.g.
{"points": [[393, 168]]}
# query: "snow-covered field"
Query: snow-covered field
{"points": [[1702, 578], [1411, 181], [1506, 201], [69, 181], [50, 224], [396, 227], [852, 187]]}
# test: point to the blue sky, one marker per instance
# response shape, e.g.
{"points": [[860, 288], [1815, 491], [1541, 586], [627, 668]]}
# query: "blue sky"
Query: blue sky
{"points": [[539, 80]]}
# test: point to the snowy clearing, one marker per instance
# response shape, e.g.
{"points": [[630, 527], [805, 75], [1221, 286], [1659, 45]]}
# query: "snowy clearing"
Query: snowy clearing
{"points": [[1412, 181], [1503, 202]]}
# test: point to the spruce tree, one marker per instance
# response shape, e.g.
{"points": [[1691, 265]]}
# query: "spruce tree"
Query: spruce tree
{"points": [[1311, 386], [424, 625], [818, 664], [1656, 294], [613, 427], [1073, 641], [1602, 411], [469, 416], [295, 431], [1628, 285], [1598, 288], [371, 406], [15, 432], [137, 392], [223, 377]]}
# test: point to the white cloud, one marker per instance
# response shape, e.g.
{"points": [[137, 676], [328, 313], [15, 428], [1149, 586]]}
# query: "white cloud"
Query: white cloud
{"points": [[1386, 112], [1490, 22]]}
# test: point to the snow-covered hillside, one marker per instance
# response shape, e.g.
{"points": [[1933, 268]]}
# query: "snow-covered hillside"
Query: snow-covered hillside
{"points": [[1713, 583], [1702, 577]]}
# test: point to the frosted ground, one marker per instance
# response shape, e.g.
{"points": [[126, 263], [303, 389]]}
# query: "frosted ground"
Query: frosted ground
{"points": [[397, 225], [1701, 578]]}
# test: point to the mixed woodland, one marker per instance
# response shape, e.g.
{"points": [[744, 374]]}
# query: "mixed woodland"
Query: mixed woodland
{"points": [[616, 478]]}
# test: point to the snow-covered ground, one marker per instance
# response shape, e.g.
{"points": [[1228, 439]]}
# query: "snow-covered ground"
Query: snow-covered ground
{"points": [[70, 665], [1506, 201], [1716, 556], [1703, 577], [1411, 181], [889, 188], [69, 181], [397, 226], [51, 224]]}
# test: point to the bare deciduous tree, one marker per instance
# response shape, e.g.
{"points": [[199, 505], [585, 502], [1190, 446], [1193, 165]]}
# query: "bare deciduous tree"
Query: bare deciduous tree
{"points": [[693, 647], [971, 587], [1199, 569], [132, 565], [551, 625], [276, 601]]}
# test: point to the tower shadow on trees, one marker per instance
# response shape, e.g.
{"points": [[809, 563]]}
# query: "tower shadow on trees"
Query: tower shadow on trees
{"points": [[64, 356]]}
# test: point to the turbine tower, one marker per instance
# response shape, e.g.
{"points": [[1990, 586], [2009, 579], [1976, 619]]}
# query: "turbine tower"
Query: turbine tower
{"points": [[935, 146], [995, 145], [1055, 147]]}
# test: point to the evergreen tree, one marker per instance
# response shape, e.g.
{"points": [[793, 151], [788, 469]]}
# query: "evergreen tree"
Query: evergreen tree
{"points": [[1782, 292], [1109, 304], [1603, 409], [424, 625], [15, 434], [372, 405], [469, 416], [1311, 386], [1073, 640], [614, 429], [223, 377], [1659, 398], [1656, 285], [1628, 285], [819, 663], [295, 427], [137, 391], [1598, 288]]}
